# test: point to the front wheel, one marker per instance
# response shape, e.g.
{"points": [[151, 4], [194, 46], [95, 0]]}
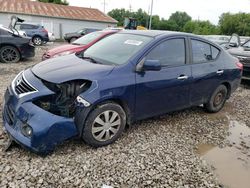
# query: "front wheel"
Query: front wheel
{"points": [[217, 99], [104, 125]]}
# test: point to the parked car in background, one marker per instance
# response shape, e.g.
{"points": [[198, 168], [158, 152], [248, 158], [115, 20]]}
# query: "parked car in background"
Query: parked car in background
{"points": [[52, 37], [13, 47], [78, 45], [219, 39], [37, 32], [71, 37], [128, 76], [20, 33], [242, 52]]}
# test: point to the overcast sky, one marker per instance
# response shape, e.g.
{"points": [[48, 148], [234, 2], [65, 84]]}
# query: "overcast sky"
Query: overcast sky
{"points": [[197, 9]]}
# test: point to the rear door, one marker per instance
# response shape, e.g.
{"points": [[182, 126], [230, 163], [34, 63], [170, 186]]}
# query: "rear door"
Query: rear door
{"points": [[207, 70], [158, 92]]}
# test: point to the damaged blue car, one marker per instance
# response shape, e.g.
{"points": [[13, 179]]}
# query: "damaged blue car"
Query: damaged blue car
{"points": [[128, 76]]}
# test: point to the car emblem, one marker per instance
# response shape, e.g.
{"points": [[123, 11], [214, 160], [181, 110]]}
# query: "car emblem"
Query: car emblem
{"points": [[18, 82]]}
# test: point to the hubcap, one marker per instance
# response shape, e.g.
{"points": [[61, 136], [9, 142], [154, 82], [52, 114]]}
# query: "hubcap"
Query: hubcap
{"points": [[218, 99], [106, 125], [9, 55], [37, 41]]}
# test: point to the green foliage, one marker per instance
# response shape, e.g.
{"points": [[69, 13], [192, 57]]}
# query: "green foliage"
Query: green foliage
{"points": [[201, 28], [120, 14], [180, 21], [235, 23], [61, 2]]}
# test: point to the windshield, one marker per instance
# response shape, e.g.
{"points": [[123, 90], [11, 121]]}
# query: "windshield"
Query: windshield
{"points": [[80, 31], [117, 49], [87, 38]]}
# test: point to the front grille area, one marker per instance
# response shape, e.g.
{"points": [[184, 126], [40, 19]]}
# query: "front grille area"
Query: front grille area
{"points": [[22, 86], [9, 115]]}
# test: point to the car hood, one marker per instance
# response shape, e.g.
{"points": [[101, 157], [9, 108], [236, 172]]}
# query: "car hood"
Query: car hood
{"points": [[239, 52], [65, 48], [70, 67]]}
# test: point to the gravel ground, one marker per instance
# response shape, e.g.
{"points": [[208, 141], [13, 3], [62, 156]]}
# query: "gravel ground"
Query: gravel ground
{"points": [[158, 152]]}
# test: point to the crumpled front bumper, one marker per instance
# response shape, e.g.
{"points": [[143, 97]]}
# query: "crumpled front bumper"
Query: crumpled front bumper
{"points": [[48, 129]]}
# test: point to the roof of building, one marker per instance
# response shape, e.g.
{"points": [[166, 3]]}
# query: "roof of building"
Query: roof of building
{"points": [[53, 10]]}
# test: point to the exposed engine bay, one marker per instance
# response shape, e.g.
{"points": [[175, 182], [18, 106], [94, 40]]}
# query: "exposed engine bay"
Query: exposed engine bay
{"points": [[62, 102]]}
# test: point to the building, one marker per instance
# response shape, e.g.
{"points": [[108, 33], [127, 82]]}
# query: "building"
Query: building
{"points": [[58, 19]]}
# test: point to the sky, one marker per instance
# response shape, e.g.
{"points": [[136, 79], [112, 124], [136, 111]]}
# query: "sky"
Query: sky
{"points": [[197, 9]]}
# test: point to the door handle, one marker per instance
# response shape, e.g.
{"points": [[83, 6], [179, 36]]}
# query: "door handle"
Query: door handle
{"points": [[182, 77], [220, 71]]}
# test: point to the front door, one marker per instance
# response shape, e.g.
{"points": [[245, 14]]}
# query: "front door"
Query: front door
{"points": [[158, 92]]}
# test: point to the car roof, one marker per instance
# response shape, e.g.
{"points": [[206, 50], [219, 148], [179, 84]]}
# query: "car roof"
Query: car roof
{"points": [[156, 33]]}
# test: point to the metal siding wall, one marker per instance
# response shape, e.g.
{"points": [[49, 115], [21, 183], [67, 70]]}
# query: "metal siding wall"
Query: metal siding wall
{"points": [[53, 24]]}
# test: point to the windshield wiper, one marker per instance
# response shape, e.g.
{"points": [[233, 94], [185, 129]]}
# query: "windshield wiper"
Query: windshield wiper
{"points": [[91, 59]]}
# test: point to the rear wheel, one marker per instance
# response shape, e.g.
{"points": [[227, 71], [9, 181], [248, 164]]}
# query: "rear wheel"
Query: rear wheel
{"points": [[217, 99], [9, 54], [37, 40], [104, 125]]}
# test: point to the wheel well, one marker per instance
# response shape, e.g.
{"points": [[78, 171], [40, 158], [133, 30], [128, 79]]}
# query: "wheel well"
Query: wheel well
{"points": [[228, 86], [123, 105], [37, 36]]}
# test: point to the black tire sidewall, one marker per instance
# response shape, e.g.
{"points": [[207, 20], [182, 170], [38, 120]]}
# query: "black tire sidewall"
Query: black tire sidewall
{"points": [[210, 105], [87, 130], [17, 52]]}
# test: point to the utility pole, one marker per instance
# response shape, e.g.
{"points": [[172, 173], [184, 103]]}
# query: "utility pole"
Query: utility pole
{"points": [[151, 12], [104, 6]]}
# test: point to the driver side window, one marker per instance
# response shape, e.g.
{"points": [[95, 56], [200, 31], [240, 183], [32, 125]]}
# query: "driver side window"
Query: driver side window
{"points": [[169, 53]]}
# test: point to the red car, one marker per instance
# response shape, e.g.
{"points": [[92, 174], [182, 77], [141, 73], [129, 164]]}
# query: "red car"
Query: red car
{"points": [[78, 45]]}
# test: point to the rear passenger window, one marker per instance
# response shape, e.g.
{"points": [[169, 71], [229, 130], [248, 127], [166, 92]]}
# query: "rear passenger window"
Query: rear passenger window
{"points": [[28, 26], [203, 52], [169, 53]]}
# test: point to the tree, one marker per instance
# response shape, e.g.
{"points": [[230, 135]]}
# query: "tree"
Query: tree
{"points": [[180, 19], [235, 23], [61, 2], [119, 15], [201, 28]]}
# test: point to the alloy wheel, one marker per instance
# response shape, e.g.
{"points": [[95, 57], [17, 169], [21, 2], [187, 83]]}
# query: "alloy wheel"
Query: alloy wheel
{"points": [[9, 55]]}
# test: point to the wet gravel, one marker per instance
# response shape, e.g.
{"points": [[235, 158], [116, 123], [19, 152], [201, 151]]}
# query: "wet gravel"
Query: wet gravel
{"points": [[157, 152]]}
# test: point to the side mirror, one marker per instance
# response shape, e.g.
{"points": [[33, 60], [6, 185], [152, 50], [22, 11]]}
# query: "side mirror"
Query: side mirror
{"points": [[148, 65]]}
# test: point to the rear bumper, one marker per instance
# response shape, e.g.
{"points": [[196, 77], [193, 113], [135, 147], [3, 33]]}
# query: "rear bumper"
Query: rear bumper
{"points": [[27, 51]]}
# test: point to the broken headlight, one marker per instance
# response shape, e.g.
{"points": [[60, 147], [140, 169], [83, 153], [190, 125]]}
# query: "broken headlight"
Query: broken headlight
{"points": [[62, 101]]}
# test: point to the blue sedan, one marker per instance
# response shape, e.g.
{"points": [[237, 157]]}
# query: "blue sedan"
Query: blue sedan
{"points": [[126, 77]]}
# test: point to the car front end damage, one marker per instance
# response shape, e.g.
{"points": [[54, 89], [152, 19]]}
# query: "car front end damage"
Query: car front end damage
{"points": [[38, 114]]}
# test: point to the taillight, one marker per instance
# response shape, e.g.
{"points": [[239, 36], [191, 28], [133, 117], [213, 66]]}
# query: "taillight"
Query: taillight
{"points": [[239, 65], [44, 30]]}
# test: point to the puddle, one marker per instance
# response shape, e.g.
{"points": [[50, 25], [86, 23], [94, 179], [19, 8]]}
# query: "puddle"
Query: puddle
{"points": [[232, 163]]}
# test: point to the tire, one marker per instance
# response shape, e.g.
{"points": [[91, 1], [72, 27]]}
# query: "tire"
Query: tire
{"points": [[98, 131], [217, 100], [72, 40], [38, 41], [9, 54]]}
